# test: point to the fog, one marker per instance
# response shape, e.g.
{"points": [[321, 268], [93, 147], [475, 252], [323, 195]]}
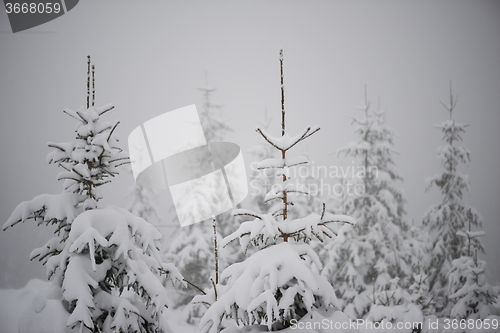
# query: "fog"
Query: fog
{"points": [[151, 57]]}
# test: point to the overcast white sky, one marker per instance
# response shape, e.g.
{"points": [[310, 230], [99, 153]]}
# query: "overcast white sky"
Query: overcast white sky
{"points": [[151, 56]]}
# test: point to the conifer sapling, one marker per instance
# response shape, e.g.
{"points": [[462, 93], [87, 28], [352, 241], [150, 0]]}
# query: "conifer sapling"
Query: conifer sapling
{"points": [[281, 281]]}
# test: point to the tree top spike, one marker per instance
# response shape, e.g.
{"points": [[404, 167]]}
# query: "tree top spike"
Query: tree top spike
{"points": [[282, 96]]}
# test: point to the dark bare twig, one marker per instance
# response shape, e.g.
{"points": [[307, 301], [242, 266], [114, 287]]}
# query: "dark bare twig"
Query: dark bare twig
{"points": [[93, 85], [88, 81], [112, 130], [267, 139], [214, 224], [195, 286], [69, 114], [282, 96], [106, 110], [83, 119], [248, 214], [215, 288]]}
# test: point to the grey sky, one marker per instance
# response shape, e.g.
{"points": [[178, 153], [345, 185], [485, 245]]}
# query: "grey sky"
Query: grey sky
{"points": [[150, 57]]}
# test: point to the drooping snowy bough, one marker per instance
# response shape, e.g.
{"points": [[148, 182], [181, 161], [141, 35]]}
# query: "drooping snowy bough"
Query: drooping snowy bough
{"points": [[281, 281], [470, 294]]}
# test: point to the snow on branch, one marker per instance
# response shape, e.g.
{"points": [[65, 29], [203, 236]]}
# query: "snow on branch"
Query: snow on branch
{"points": [[286, 142], [471, 234], [282, 163], [260, 232], [47, 208], [265, 230], [110, 249], [277, 270], [315, 226]]}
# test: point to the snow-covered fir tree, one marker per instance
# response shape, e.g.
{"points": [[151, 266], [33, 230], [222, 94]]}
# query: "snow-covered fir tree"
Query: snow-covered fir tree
{"points": [[192, 248], [281, 281], [394, 304], [443, 220], [369, 253], [470, 295], [104, 263]]}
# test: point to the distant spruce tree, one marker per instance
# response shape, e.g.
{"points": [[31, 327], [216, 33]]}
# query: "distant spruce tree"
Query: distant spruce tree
{"points": [[369, 255], [443, 220], [192, 248]]}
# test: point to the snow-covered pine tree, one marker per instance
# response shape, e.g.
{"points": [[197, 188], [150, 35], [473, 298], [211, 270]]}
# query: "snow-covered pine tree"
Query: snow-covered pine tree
{"points": [[443, 220], [192, 248], [281, 281], [369, 253], [398, 303], [104, 262], [470, 295], [392, 303]]}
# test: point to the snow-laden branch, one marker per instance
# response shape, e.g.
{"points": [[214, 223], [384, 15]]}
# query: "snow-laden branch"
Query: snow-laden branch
{"points": [[283, 269], [47, 208], [286, 142]]}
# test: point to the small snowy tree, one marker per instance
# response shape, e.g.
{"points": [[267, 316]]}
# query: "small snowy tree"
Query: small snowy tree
{"points": [[104, 263], [394, 304], [444, 220], [370, 252], [420, 294], [470, 295], [476, 297], [281, 281]]}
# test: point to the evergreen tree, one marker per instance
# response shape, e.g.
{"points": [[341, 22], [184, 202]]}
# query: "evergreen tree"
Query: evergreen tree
{"points": [[369, 253], [192, 249], [281, 281], [444, 220], [394, 304], [470, 295], [104, 262]]}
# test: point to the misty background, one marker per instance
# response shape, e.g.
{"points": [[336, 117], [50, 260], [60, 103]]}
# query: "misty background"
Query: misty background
{"points": [[151, 56]]}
